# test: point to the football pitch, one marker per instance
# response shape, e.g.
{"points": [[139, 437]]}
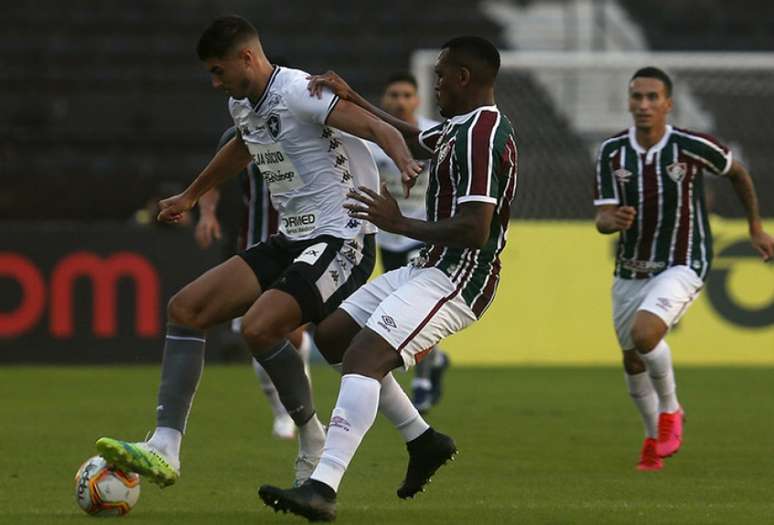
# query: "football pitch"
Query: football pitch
{"points": [[537, 445]]}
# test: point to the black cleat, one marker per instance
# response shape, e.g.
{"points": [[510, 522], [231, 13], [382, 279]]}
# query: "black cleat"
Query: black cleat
{"points": [[427, 453], [313, 500]]}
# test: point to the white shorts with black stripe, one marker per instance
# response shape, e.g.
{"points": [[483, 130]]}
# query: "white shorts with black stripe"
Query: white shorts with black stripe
{"points": [[667, 295], [319, 273], [411, 308]]}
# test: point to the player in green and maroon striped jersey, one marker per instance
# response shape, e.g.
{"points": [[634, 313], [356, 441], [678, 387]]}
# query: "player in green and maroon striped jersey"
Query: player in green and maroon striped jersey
{"points": [[649, 187], [392, 321]]}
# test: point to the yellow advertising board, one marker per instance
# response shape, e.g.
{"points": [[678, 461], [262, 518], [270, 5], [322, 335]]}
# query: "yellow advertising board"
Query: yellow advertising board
{"points": [[553, 305]]}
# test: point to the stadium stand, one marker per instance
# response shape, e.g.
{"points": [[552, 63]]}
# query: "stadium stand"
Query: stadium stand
{"points": [[104, 100], [715, 25]]}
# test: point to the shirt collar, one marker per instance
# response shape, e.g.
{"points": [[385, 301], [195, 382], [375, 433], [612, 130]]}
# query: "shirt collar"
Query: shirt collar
{"points": [[654, 149], [266, 90], [459, 119]]}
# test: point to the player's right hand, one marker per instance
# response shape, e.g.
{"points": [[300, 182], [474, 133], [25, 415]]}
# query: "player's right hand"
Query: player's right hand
{"points": [[623, 217], [173, 208], [409, 171], [332, 81], [207, 230]]}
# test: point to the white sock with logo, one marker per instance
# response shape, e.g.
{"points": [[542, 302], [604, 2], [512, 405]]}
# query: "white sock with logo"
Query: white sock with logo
{"points": [[354, 414], [645, 399], [396, 406], [662, 375]]}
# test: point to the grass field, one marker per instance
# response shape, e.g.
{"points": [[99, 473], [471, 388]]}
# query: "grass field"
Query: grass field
{"points": [[538, 445]]}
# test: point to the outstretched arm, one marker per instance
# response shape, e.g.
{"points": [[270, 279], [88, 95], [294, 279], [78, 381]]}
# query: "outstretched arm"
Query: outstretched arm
{"points": [[348, 117], [337, 84], [230, 160], [745, 191], [467, 228]]}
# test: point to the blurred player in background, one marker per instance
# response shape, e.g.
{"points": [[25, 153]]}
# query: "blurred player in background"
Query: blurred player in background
{"points": [[393, 320], [320, 256], [649, 188], [400, 100], [259, 222]]}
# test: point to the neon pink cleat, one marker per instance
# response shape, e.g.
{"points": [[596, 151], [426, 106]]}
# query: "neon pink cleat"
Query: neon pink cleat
{"points": [[649, 458], [670, 432]]}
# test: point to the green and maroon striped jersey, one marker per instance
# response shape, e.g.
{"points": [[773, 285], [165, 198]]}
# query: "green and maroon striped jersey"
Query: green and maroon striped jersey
{"points": [[665, 185], [474, 159]]}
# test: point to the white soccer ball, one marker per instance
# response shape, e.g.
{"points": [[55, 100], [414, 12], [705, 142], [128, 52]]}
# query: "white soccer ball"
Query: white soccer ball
{"points": [[103, 490]]}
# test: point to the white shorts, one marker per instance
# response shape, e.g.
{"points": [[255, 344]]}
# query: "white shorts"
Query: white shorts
{"points": [[667, 295], [411, 308]]}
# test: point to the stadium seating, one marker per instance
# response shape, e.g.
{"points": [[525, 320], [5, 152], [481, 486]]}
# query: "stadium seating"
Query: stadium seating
{"points": [[104, 100], [716, 25]]}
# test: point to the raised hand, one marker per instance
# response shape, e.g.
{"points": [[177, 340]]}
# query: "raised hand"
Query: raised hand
{"points": [[380, 209], [332, 81], [408, 175]]}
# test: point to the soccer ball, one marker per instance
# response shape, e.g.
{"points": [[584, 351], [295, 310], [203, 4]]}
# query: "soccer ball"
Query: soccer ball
{"points": [[105, 491]]}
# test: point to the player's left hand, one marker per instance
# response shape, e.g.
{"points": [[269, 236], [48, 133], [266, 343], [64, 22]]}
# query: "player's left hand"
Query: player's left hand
{"points": [[763, 244], [380, 209], [173, 208], [330, 80]]}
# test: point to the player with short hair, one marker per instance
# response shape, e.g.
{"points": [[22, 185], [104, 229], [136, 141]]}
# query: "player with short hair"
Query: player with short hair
{"points": [[400, 99], [649, 188], [259, 221], [300, 275], [393, 320]]}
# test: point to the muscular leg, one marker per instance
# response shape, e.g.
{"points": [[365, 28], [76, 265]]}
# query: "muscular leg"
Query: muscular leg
{"points": [[265, 327], [367, 361], [333, 336], [283, 426], [218, 295], [648, 332]]}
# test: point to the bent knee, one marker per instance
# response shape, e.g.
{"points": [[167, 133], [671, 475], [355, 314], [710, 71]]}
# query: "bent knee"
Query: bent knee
{"points": [[371, 356], [261, 336], [646, 336], [632, 363], [183, 311]]}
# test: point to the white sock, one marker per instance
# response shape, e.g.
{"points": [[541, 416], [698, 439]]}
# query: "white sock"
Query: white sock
{"points": [[397, 407], [659, 363], [420, 382], [269, 390], [354, 414], [311, 437], [645, 399], [167, 441]]}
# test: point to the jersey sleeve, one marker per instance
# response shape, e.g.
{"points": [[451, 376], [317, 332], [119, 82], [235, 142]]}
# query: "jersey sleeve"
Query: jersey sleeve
{"points": [[605, 188], [476, 159], [306, 107], [708, 150], [429, 137]]}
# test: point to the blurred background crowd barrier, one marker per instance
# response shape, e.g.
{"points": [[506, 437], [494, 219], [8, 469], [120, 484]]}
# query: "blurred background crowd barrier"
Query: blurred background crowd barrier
{"points": [[104, 108]]}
